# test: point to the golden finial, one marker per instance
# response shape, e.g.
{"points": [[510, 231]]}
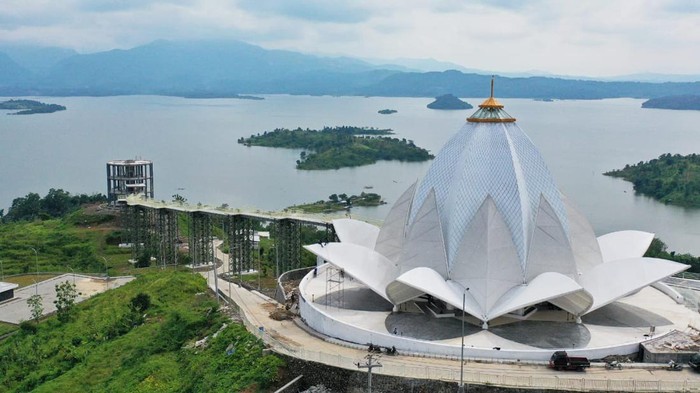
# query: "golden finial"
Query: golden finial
{"points": [[491, 111]]}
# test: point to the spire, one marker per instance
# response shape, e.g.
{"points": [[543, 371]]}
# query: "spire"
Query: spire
{"points": [[491, 111]]}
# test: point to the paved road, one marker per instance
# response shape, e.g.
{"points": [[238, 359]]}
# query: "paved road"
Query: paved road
{"points": [[288, 338]]}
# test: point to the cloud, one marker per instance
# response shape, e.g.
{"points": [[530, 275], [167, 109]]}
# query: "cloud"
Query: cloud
{"points": [[596, 37], [310, 10]]}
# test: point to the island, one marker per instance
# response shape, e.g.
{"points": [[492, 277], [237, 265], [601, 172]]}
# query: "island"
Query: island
{"points": [[30, 107], [672, 179], [340, 202], [449, 102], [340, 147], [387, 111], [680, 102], [203, 95]]}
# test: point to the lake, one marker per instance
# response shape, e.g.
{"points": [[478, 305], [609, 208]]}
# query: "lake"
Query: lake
{"points": [[192, 143]]}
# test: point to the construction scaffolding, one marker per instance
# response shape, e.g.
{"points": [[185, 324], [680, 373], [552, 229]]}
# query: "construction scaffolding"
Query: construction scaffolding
{"points": [[152, 229], [287, 234], [167, 237], [201, 244], [242, 245], [137, 230], [335, 287]]}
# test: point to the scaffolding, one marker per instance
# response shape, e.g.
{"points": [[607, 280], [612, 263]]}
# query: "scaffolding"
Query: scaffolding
{"points": [[287, 234], [242, 243], [335, 287], [153, 231], [167, 237], [201, 240], [137, 230]]}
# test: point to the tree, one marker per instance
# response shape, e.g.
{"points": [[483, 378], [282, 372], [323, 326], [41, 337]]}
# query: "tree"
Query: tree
{"points": [[65, 299], [179, 199], [36, 307], [333, 198], [140, 303]]}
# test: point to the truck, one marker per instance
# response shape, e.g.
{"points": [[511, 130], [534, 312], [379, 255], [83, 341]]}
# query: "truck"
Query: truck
{"points": [[694, 362], [561, 360]]}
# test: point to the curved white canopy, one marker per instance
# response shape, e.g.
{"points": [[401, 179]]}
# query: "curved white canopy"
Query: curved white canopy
{"points": [[624, 244], [431, 282], [366, 265], [612, 280], [356, 232]]}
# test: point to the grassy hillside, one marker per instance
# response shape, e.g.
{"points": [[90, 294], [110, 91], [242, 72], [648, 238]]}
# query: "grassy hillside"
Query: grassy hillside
{"points": [[61, 243], [109, 345]]}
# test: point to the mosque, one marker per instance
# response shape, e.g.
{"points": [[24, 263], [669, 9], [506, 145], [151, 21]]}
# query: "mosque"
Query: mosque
{"points": [[486, 249]]}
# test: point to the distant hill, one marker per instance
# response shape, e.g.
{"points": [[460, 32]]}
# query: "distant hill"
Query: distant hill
{"points": [[685, 102], [36, 59], [449, 102], [12, 74], [227, 68]]}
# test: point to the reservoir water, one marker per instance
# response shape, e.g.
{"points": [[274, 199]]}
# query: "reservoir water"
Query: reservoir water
{"points": [[193, 146]]}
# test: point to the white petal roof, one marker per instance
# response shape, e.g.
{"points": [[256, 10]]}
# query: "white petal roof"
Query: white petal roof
{"points": [[488, 219], [624, 244], [489, 159], [356, 232]]}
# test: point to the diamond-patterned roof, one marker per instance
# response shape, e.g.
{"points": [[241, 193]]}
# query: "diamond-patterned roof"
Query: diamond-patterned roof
{"points": [[495, 159]]}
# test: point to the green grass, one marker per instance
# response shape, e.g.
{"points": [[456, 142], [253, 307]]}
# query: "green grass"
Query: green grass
{"points": [[106, 347], [6, 328], [25, 280], [61, 244]]}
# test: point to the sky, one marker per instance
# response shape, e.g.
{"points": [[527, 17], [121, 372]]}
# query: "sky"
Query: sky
{"points": [[590, 38]]}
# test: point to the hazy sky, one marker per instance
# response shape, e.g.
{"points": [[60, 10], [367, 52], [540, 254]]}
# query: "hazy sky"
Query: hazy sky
{"points": [[583, 37]]}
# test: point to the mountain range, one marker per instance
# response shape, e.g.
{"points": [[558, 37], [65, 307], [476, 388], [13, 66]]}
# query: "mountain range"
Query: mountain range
{"points": [[229, 68]]}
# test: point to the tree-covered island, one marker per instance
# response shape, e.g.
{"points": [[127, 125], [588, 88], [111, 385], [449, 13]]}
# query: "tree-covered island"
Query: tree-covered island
{"points": [[449, 102], [387, 111], [30, 107], [339, 147], [680, 102], [672, 179], [340, 202]]}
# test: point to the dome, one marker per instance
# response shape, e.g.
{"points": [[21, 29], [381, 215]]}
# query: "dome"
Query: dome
{"points": [[487, 231]]}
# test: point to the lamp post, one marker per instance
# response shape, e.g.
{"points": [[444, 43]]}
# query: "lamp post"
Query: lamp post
{"points": [[73, 272], [461, 357], [36, 261], [106, 268]]}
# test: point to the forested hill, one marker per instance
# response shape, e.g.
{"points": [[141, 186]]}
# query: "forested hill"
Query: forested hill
{"points": [[673, 179], [227, 68]]}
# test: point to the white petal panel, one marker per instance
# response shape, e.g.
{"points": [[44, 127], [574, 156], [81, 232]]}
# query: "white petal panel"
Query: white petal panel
{"points": [[487, 261], [584, 244], [393, 231], [356, 232], [549, 249], [362, 263], [542, 288], [624, 244], [429, 281], [612, 280], [424, 245]]}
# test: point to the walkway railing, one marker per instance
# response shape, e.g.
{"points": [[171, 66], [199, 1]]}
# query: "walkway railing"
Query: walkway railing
{"points": [[451, 374]]}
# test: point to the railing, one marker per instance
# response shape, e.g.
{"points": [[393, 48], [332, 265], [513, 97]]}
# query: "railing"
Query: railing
{"points": [[492, 378]]}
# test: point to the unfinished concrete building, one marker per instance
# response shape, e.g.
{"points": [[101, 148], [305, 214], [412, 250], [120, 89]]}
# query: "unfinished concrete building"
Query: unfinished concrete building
{"points": [[127, 177]]}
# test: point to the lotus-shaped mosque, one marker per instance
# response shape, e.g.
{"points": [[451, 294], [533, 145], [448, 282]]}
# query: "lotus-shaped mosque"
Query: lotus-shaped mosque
{"points": [[488, 232]]}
